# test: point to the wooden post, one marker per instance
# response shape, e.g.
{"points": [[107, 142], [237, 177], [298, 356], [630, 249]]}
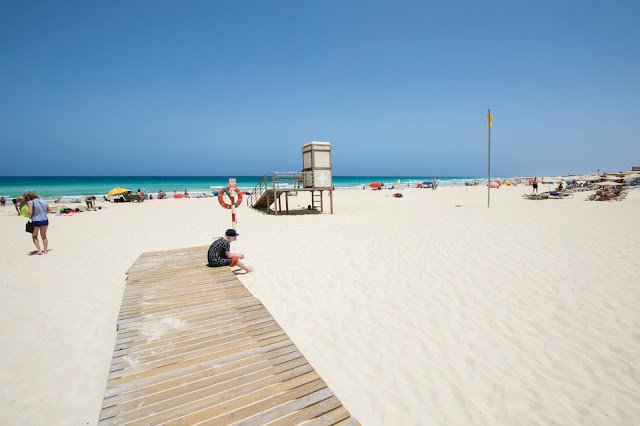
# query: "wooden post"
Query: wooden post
{"points": [[331, 200], [267, 200], [275, 197], [286, 199], [233, 208], [233, 192]]}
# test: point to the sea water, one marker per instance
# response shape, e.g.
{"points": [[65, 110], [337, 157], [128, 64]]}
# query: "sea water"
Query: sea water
{"points": [[78, 187]]}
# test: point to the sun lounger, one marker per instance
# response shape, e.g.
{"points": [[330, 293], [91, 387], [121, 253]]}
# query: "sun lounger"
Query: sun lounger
{"points": [[541, 196], [132, 197], [618, 197], [560, 195]]}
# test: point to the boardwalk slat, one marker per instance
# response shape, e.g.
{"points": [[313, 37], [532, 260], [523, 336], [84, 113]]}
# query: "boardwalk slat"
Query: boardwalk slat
{"points": [[287, 408], [310, 412]]}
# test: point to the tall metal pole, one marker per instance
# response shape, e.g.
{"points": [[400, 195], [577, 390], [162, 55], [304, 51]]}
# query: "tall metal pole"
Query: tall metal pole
{"points": [[489, 161]]}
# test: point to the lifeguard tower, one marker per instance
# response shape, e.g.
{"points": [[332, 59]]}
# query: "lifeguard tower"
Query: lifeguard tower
{"points": [[316, 177]]}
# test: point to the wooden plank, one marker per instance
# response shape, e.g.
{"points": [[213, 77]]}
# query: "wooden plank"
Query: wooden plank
{"points": [[219, 365], [288, 408], [235, 319], [194, 345], [310, 412], [148, 355], [220, 374], [236, 409], [210, 403], [159, 361], [330, 418], [118, 378], [205, 387], [350, 421], [196, 335]]}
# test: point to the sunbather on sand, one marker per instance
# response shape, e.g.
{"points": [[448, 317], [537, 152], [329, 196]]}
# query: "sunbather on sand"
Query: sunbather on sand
{"points": [[220, 255], [605, 194]]}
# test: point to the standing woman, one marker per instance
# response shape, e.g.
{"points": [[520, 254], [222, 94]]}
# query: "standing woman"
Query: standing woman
{"points": [[38, 210]]}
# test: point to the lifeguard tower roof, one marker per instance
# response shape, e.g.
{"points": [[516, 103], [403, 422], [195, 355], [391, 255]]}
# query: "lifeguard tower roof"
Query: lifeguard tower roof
{"points": [[316, 143]]}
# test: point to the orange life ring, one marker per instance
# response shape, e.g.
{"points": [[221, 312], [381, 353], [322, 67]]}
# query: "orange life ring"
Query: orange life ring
{"points": [[225, 190]]}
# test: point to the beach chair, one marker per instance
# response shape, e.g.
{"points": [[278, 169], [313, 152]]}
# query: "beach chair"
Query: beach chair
{"points": [[541, 196], [131, 198], [561, 195]]}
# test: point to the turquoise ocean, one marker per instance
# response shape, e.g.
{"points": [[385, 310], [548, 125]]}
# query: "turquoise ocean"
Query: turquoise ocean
{"points": [[70, 187]]}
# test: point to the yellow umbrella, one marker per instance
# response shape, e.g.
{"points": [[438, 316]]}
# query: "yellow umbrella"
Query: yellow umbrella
{"points": [[117, 191]]}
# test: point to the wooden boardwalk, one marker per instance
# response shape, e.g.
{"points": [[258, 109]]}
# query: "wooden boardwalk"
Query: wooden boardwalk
{"points": [[195, 346]]}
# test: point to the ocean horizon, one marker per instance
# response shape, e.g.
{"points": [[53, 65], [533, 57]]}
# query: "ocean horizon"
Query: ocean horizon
{"points": [[70, 187]]}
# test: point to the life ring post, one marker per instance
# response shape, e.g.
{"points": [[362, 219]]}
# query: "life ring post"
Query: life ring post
{"points": [[236, 200]]}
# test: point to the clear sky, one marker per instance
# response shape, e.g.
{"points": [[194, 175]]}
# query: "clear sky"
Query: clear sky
{"points": [[397, 87]]}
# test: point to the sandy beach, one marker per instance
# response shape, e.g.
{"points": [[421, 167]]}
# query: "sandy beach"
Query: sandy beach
{"points": [[428, 309]]}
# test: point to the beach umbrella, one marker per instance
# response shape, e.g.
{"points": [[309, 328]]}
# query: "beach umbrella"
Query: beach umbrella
{"points": [[582, 178], [375, 184], [179, 196], [117, 191]]}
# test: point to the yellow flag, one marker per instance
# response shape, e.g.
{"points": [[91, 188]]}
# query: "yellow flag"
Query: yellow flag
{"points": [[489, 120]]}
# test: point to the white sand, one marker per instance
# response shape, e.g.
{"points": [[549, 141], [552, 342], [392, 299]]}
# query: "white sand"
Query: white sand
{"points": [[413, 310]]}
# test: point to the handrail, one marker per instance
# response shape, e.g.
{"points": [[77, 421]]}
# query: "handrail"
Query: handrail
{"points": [[274, 181]]}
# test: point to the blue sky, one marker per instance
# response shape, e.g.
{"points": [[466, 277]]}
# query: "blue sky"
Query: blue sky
{"points": [[398, 88]]}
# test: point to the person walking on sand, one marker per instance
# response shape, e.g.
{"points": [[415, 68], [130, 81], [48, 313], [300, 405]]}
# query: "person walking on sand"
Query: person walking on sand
{"points": [[3, 201], [535, 185], [38, 210], [220, 255]]}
